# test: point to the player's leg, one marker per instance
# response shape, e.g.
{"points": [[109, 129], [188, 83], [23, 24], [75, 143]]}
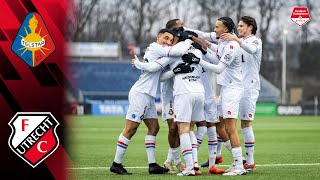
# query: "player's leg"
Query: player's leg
{"points": [[201, 131], [212, 149], [183, 111], [211, 115], [247, 110], [135, 111], [196, 116], [230, 106], [173, 156], [174, 143], [151, 121], [194, 144]]}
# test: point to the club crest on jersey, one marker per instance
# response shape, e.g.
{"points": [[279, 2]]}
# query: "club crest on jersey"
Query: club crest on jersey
{"points": [[229, 113], [170, 111], [144, 111], [33, 137], [33, 43]]}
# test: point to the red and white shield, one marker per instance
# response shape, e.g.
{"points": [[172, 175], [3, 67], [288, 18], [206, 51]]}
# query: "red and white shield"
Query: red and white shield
{"points": [[33, 136], [300, 15]]}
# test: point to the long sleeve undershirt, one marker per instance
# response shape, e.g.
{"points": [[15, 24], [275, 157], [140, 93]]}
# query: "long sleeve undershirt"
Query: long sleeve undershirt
{"points": [[212, 67]]}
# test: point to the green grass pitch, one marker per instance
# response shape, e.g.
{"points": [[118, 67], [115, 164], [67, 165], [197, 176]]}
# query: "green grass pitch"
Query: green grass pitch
{"points": [[285, 148]]}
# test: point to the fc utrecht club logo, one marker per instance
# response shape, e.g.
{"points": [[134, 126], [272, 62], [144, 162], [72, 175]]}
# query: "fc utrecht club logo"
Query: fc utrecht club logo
{"points": [[300, 15], [33, 136], [33, 43]]}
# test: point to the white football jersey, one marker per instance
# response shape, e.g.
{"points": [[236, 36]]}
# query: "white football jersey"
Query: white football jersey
{"points": [[188, 82], [229, 53], [251, 62], [207, 84], [167, 87], [148, 81]]}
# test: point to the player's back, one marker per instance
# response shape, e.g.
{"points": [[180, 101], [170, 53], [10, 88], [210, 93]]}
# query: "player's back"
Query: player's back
{"points": [[188, 82]]}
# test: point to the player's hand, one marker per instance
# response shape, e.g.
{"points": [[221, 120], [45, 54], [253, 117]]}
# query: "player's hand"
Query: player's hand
{"points": [[190, 58], [186, 35], [183, 68], [134, 60], [198, 46], [228, 37], [178, 31]]}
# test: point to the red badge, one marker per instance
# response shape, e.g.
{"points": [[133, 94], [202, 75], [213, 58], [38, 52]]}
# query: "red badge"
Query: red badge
{"points": [[33, 136], [231, 47], [300, 15]]}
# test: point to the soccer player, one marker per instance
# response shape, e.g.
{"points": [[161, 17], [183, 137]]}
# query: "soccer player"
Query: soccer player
{"points": [[141, 101], [211, 116], [210, 107], [167, 101], [202, 129], [231, 81], [188, 108], [251, 59]]}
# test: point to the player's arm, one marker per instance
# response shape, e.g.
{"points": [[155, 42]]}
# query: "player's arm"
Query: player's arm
{"points": [[216, 68], [153, 66], [251, 47], [180, 68], [209, 36], [211, 57], [211, 46], [175, 51], [166, 75], [191, 58]]}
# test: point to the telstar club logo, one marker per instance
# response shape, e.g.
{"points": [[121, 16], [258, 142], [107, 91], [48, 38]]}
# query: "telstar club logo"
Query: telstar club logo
{"points": [[33, 42], [33, 136]]}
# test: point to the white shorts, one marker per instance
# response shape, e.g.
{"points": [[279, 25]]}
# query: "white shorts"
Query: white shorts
{"points": [[141, 106], [229, 101], [189, 107], [248, 104], [210, 110], [167, 106]]}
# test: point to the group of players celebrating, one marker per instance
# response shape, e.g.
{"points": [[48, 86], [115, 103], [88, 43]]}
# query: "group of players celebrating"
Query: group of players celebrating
{"points": [[180, 62]]}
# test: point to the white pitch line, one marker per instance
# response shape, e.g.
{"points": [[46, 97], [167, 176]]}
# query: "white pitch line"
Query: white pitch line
{"points": [[145, 167]]}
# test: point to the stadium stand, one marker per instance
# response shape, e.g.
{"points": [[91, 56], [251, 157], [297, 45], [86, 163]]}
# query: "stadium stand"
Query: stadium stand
{"points": [[104, 80], [110, 80]]}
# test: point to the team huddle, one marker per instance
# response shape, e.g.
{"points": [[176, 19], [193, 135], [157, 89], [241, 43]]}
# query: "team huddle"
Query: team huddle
{"points": [[180, 63]]}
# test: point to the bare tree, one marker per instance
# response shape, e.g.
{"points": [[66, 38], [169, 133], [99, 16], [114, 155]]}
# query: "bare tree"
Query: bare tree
{"points": [[270, 69], [267, 8], [142, 15], [83, 11], [210, 9], [239, 10]]}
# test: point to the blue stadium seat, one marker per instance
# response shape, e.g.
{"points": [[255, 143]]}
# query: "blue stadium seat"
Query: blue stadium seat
{"points": [[105, 78]]}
